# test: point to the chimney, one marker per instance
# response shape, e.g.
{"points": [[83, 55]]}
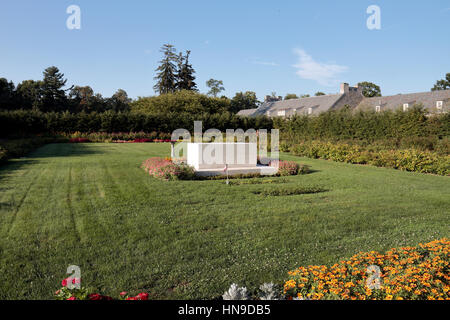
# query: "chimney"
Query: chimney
{"points": [[359, 89], [344, 88]]}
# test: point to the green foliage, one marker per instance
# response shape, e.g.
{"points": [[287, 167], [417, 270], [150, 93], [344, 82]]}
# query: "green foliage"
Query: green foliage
{"points": [[48, 95], [166, 73], [366, 126], [241, 101], [370, 89], [7, 94], [37, 122], [215, 87], [288, 168], [17, 148], [407, 160], [53, 96], [443, 84], [319, 93], [181, 102], [185, 76], [290, 96], [29, 94]]}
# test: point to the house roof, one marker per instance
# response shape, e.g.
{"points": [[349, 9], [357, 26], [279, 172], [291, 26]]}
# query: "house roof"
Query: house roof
{"points": [[427, 99], [246, 112], [318, 104]]}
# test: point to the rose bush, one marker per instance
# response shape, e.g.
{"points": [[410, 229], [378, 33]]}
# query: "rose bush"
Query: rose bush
{"points": [[166, 169]]}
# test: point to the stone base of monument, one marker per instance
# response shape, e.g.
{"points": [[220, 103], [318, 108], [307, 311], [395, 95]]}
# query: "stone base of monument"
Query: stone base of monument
{"points": [[210, 159], [259, 169]]}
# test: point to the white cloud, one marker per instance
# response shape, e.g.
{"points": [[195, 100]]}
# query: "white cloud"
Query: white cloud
{"points": [[265, 63], [324, 74]]}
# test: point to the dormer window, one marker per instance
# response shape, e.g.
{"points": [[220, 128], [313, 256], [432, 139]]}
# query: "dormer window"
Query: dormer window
{"points": [[439, 105], [405, 107], [310, 110], [378, 109]]}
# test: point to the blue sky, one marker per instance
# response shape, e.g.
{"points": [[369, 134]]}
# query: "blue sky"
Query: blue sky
{"points": [[263, 46]]}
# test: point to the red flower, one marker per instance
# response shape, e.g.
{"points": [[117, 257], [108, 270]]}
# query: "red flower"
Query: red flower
{"points": [[72, 298], [123, 293], [142, 296], [95, 296], [131, 298], [74, 281]]}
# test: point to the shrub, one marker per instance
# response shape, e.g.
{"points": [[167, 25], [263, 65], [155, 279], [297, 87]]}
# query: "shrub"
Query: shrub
{"points": [[408, 160], [289, 191], [288, 168], [163, 123], [165, 169], [413, 273], [367, 126]]}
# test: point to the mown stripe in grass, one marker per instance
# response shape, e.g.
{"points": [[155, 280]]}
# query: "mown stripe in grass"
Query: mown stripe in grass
{"points": [[256, 181], [276, 192]]}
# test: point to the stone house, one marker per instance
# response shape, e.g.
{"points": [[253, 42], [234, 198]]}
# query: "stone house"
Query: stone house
{"points": [[435, 102]]}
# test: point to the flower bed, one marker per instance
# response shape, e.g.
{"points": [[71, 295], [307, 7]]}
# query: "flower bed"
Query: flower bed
{"points": [[166, 169], [408, 160], [411, 273], [79, 140], [66, 293]]}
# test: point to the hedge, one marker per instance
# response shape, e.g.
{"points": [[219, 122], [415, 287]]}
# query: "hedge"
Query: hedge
{"points": [[25, 122], [368, 126]]}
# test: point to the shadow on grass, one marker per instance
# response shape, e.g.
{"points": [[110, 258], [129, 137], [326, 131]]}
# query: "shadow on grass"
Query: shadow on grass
{"points": [[11, 166], [55, 150], [6, 205]]}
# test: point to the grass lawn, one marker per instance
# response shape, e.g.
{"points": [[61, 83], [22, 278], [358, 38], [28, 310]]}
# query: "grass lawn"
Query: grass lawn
{"points": [[93, 206]]}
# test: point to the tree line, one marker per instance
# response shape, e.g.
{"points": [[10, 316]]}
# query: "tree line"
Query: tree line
{"points": [[49, 95], [175, 77]]}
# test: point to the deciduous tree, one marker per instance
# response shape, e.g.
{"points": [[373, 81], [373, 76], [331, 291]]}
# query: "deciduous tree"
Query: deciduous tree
{"points": [[241, 101], [370, 89], [215, 86], [443, 84], [290, 96]]}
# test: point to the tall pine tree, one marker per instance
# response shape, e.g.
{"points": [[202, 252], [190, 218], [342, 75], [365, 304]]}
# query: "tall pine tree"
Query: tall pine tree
{"points": [[185, 73], [166, 73], [53, 96]]}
